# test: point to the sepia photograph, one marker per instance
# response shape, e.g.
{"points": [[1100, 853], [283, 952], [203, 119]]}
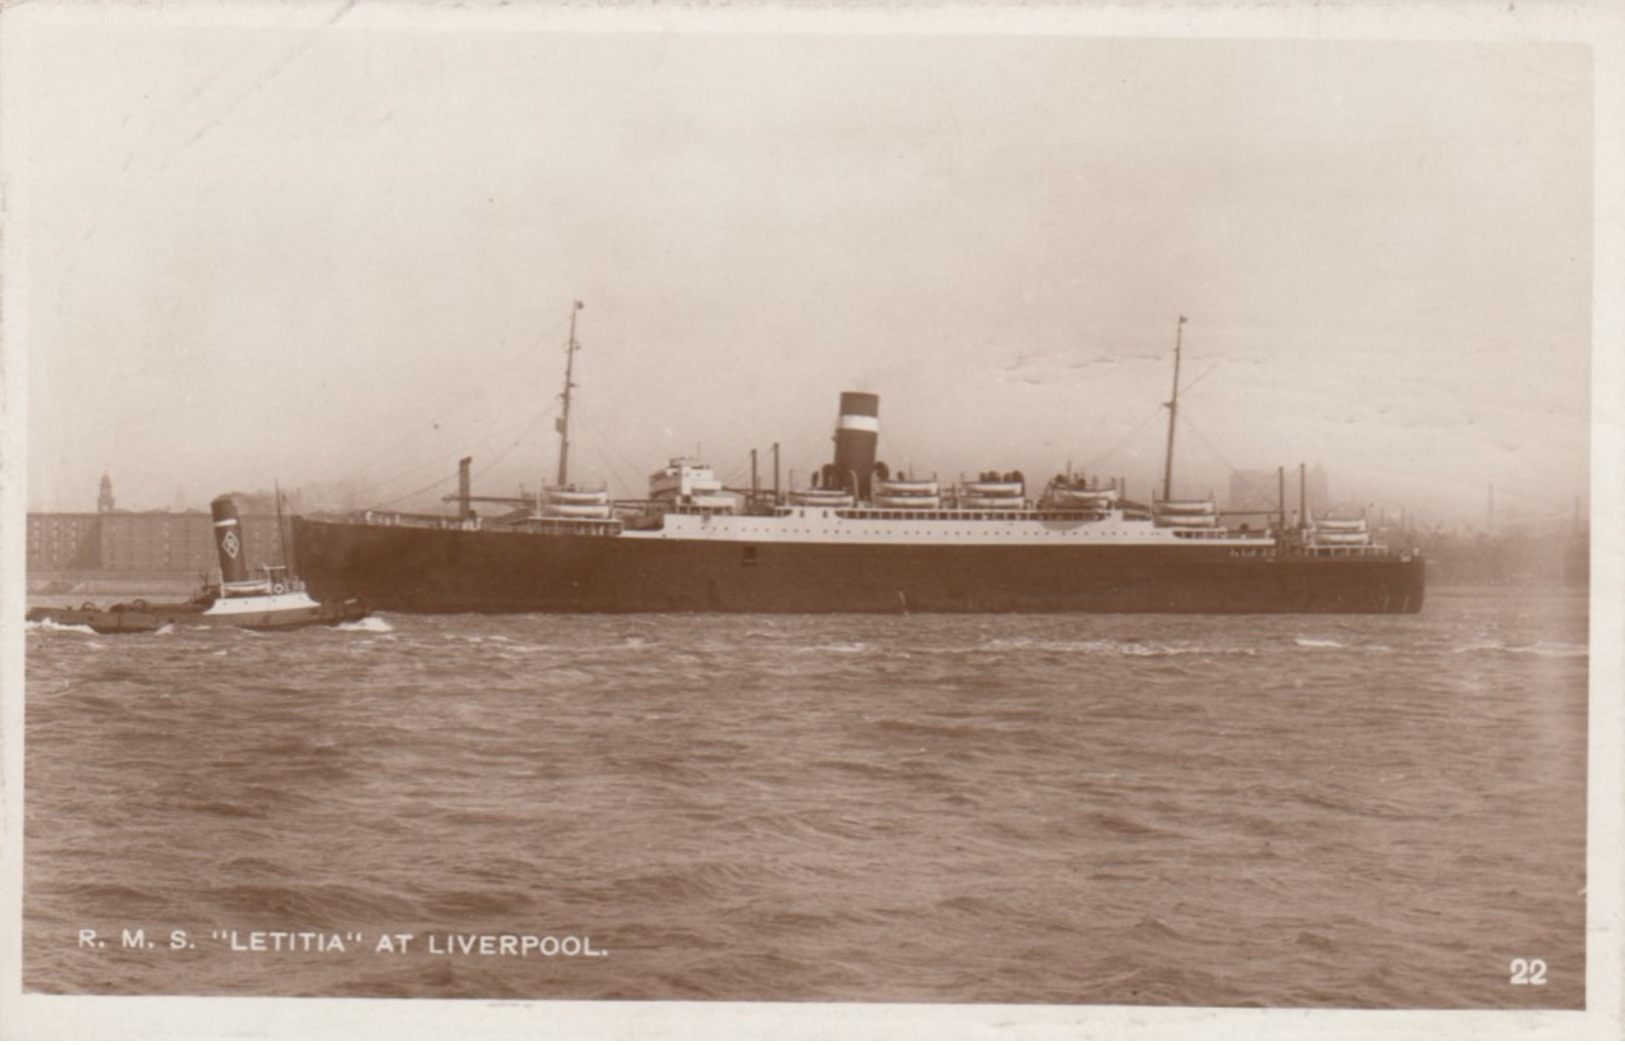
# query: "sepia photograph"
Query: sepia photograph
{"points": [[884, 520]]}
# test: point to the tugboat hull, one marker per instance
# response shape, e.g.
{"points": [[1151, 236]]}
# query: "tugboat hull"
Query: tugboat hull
{"points": [[273, 613]]}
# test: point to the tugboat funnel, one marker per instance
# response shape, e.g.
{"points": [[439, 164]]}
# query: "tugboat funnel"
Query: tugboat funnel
{"points": [[856, 434], [228, 541]]}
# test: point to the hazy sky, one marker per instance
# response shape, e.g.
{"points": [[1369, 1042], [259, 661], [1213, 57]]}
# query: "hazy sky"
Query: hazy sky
{"points": [[331, 246]]}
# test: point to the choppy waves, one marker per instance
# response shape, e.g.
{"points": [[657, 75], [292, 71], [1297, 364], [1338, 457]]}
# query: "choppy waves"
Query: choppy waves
{"points": [[1332, 812]]}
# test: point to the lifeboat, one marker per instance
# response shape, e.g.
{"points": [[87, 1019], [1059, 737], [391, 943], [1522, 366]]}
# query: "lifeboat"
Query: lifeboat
{"points": [[575, 511], [906, 493], [1081, 497], [1184, 508], [906, 488], [570, 495], [988, 488], [1340, 525], [822, 498], [1340, 537], [570, 503], [1190, 515]]}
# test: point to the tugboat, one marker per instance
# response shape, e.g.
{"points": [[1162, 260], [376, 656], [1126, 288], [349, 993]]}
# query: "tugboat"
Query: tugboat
{"points": [[266, 598]]}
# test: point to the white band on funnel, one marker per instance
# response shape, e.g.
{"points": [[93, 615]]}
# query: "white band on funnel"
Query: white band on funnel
{"points": [[861, 422]]}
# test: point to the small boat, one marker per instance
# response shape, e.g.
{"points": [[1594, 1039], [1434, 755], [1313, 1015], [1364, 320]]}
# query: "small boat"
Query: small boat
{"points": [[1186, 515], [906, 488], [1184, 507], [908, 494], [1081, 497], [1329, 525], [266, 598], [554, 495], [822, 498], [1340, 537], [992, 488], [575, 511]]}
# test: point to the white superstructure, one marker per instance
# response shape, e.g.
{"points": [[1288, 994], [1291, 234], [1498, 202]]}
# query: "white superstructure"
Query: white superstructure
{"points": [[811, 524]]}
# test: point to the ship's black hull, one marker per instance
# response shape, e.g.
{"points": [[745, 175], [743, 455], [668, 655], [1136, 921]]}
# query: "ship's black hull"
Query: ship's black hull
{"points": [[425, 570]]}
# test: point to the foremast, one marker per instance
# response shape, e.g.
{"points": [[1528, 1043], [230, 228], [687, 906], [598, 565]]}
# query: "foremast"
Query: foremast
{"points": [[563, 506], [1173, 413], [563, 422]]}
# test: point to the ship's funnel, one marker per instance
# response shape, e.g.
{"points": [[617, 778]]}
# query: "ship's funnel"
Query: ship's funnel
{"points": [[856, 434], [228, 541]]}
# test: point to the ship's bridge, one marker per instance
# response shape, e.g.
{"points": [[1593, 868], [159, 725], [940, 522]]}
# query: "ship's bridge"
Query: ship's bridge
{"points": [[690, 483]]}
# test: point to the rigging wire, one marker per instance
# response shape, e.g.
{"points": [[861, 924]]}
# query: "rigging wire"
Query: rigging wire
{"points": [[529, 429], [442, 481], [415, 469], [738, 476], [1198, 379], [1185, 421], [1092, 463], [477, 379], [604, 443], [535, 423]]}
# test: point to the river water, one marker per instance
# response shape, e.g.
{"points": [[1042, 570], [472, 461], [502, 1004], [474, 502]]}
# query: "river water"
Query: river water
{"points": [[1352, 812]]}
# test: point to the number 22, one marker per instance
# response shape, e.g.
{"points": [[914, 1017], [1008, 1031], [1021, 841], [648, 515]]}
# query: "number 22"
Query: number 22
{"points": [[1529, 972]]}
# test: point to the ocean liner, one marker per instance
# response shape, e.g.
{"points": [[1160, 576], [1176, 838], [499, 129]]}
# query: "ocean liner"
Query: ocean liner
{"points": [[860, 539]]}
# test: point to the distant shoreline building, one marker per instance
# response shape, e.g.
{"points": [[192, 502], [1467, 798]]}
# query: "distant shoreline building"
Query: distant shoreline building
{"points": [[138, 542]]}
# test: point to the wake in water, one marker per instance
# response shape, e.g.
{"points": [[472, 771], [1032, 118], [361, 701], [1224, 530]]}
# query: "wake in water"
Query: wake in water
{"points": [[51, 625], [1106, 648], [374, 624], [1532, 649]]}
